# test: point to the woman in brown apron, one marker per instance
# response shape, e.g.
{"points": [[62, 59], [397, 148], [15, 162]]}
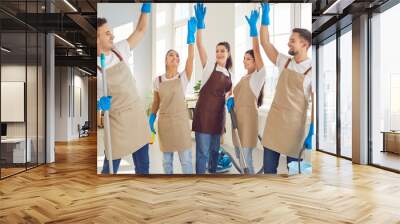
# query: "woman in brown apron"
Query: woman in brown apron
{"points": [[285, 128], [248, 96], [174, 133], [129, 130], [209, 114]]}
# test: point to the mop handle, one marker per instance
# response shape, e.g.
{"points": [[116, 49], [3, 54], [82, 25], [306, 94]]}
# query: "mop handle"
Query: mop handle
{"points": [[107, 134], [234, 129], [233, 119]]}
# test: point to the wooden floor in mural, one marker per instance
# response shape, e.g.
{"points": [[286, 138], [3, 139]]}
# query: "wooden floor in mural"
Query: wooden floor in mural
{"points": [[70, 191]]}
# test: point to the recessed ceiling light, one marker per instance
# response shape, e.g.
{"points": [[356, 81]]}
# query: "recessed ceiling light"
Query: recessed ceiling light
{"points": [[70, 5], [64, 40], [86, 72], [5, 50]]}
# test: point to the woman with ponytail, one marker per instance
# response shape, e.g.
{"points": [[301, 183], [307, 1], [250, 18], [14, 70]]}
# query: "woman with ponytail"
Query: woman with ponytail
{"points": [[248, 95], [216, 87]]}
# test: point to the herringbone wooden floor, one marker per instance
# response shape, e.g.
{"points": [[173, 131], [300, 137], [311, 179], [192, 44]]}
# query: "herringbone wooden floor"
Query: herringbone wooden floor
{"points": [[70, 191]]}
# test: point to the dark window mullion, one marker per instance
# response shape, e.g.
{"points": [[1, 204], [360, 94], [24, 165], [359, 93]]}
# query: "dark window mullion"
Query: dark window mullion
{"points": [[338, 80]]}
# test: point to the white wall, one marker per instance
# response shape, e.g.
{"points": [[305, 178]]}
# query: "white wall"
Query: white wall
{"points": [[66, 81]]}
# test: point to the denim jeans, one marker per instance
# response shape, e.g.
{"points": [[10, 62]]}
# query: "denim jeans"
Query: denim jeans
{"points": [[140, 159], [185, 156], [271, 160], [248, 157], [207, 146]]}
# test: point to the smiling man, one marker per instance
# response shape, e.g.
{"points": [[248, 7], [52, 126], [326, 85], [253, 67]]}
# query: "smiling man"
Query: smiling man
{"points": [[130, 133], [285, 128]]}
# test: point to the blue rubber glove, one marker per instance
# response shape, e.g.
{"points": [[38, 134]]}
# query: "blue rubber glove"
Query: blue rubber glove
{"points": [[265, 14], [308, 141], [104, 103], [146, 8], [230, 103], [252, 21], [152, 119], [200, 12], [191, 24]]}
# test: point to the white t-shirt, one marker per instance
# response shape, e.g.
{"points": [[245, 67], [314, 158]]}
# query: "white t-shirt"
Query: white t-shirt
{"points": [[257, 80], [184, 81], [209, 68], [124, 50], [309, 80]]}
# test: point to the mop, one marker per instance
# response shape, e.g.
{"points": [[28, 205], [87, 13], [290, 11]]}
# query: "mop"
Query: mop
{"points": [[236, 141], [107, 134]]}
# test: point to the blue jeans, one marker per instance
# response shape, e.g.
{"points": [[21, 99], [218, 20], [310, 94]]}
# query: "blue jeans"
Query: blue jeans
{"points": [[271, 160], [185, 156], [207, 146], [140, 159], [248, 157]]}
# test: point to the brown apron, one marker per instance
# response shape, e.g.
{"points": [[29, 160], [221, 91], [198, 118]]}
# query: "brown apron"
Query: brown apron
{"points": [[129, 128], [246, 113], [285, 130], [209, 114], [173, 119]]}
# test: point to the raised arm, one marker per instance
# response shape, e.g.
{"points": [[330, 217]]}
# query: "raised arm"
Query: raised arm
{"points": [[200, 12], [192, 23], [141, 26], [269, 49], [252, 21]]}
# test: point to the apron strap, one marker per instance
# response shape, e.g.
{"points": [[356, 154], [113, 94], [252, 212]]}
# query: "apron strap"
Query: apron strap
{"points": [[118, 55], [159, 79], [215, 66], [287, 63], [309, 69]]}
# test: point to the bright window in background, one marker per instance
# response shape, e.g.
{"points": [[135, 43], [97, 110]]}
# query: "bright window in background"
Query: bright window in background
{"points": [[122, 32], [284, 17], [282, 23], [385, 84], [346, 94], [182, 12], [327, 96], [306, 11]]}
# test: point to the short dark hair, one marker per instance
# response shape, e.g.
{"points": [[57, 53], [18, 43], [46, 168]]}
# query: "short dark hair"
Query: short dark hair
{"points": [[101, 22], [305, 34]]}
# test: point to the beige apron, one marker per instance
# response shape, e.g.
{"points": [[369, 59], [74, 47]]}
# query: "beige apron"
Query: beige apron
{"points": [[129, 128], [173, 119], [285, 130], [246, 113]]}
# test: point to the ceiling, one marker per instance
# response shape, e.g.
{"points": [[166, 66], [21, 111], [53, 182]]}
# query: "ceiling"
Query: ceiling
{"points": [[75, 22], [332, 15], [72, 20]]}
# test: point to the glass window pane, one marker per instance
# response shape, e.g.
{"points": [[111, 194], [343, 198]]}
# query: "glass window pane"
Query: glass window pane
{"points": [[385, 89], [41, 98], [181, 11], [305, 16], [327, 97], [281, 18], [31, 101], [346, 94], [13, 83]]}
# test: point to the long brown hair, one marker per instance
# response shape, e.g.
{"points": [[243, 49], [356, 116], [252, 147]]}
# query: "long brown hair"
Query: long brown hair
{"points": [[261, 96], [229, 63]]}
